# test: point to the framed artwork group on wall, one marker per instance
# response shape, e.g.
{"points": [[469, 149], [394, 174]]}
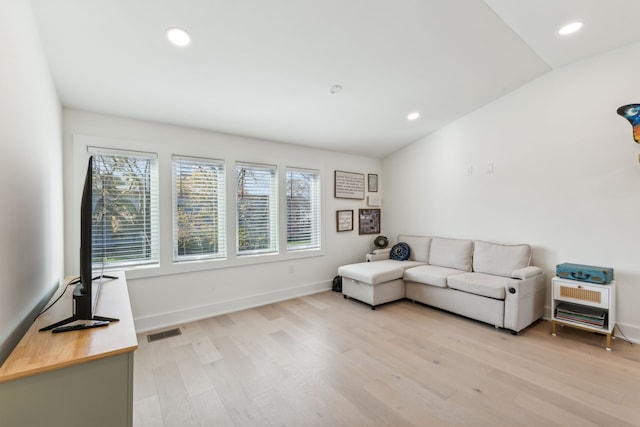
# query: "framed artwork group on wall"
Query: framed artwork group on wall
{"points": [[351, 185]]}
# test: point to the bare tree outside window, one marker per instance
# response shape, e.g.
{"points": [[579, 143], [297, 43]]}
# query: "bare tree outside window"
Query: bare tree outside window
{"points": [[199, 216], [125, 209], [257, 213]]}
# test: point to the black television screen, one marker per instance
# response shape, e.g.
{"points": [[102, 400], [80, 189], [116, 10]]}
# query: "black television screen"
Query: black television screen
{"points": [[86, 291], [83, 297]]}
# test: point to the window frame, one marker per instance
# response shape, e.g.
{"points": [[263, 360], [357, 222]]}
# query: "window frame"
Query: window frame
{"points": [[220, 196], [273, 203], [315, 209], [154, 209]]}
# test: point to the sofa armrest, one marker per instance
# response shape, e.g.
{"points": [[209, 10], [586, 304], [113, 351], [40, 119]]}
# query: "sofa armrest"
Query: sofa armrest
{"points": [[524, 301], [526, 272], [378, 254]]}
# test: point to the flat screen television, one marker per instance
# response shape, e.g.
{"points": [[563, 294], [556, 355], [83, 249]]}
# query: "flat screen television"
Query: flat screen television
{"points": [[87, 287]]}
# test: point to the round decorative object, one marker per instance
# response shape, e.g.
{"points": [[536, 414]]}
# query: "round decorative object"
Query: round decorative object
{"points": [[400, 251], [381, 242]]}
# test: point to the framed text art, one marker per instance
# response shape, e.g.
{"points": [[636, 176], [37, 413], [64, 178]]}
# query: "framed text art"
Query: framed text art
{"points": [[369, 221], [344, 220], [349, 185], [372, 182]]}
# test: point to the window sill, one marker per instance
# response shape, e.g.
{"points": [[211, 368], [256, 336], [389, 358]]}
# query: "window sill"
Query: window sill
{"points": [[182, 267]]}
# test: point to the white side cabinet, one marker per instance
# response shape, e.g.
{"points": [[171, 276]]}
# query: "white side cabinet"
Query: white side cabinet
{"points": [[583, 305], [78, 378]]}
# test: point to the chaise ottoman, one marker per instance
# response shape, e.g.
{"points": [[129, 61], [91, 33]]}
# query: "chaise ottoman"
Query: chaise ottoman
{"points": [[375, 283]]}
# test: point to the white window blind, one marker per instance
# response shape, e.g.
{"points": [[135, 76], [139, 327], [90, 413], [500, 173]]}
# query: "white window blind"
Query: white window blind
{"points": [[199, 209], [125, 231], [303, 209], [257, 208]]}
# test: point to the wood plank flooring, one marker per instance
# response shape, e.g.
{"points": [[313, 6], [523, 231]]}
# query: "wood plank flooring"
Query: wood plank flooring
{"points": [[323, 360]]}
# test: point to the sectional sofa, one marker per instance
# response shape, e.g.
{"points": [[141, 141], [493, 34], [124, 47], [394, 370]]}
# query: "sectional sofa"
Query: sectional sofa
{"points": [[490, 282]]}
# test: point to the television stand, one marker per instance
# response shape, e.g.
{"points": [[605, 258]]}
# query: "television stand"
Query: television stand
{"points": [[74, 318], [79, 327], [81, 300], [73, 379]]}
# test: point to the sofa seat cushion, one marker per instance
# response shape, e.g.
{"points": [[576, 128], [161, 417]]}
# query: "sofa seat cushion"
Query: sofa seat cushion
{"points": [[486, 285], [430, 275], [377, 271]]}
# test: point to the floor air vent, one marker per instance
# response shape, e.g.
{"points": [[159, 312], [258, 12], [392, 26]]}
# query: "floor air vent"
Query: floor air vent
{"points": [[164, 334]]}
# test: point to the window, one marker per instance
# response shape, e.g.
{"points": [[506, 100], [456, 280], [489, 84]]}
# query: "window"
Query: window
{"points": [[125, 228], [257, 208], [303, 209], [198, 209]]}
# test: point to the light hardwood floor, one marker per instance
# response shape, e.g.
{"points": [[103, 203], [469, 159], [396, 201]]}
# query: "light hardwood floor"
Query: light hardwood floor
{"points": [[323, 360]]}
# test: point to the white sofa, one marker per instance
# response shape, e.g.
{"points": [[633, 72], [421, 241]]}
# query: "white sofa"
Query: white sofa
{"points": [[490, 282]]}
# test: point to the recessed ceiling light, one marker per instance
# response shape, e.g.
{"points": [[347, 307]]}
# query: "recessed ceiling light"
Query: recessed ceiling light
{"points": [[178, 37], [335, 89], [413, 116], [570, 28]]}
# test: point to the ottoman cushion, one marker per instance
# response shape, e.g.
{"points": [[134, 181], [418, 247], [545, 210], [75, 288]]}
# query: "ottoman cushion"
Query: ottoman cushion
{"points": [[377, 271]]}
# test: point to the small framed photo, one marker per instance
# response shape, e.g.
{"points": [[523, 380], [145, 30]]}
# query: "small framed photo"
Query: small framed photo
{"points": [[372, 182], [344, 220], [369, 221]]}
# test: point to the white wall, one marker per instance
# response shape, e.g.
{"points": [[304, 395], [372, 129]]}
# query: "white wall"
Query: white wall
{"points": [[31, 236], [173, 294], [566, 174]]}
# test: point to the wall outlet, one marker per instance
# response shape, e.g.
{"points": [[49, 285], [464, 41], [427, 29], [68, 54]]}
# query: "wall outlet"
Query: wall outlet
{"points": [[490, 168]]}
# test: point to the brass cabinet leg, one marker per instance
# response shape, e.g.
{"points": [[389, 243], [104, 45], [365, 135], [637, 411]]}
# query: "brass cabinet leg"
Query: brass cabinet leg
{"points": [[553, 328]]}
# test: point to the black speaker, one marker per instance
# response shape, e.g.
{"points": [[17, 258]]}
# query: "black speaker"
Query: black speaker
{"points": [[337, 284]]}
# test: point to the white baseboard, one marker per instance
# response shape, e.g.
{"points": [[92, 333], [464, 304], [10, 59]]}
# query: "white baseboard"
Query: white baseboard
{"points": [[169, 319], [628, 332]]}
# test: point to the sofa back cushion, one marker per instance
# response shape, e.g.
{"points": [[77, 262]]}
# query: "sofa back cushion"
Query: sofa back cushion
{"points": [[418, 245], [498, 259], [451, 253]]}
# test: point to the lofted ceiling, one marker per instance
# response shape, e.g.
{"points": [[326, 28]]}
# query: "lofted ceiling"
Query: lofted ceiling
{"points": [[264, 68]]}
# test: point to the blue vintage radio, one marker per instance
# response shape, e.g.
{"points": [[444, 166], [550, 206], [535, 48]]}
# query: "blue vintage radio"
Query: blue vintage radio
{"points": [[584, 273]]}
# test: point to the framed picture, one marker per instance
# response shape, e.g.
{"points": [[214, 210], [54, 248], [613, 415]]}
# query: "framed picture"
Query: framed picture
{"points": [[349, 185], [369, 221], [344, 220], [373, 182]]}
